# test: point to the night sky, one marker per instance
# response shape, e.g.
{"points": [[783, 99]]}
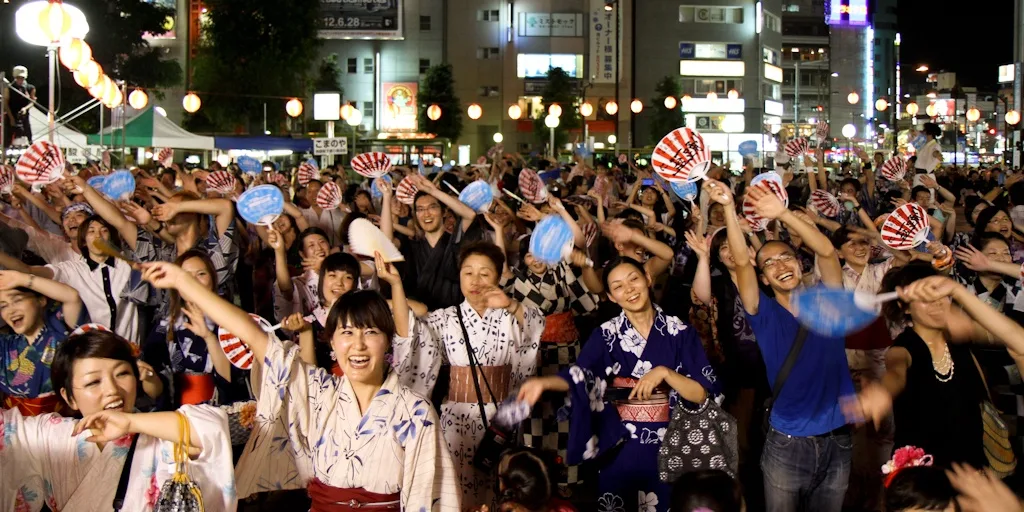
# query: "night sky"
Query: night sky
{"points": [[972, 42]]}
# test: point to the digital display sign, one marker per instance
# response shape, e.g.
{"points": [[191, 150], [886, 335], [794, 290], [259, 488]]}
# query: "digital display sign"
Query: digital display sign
{"points": [[847, 12]]}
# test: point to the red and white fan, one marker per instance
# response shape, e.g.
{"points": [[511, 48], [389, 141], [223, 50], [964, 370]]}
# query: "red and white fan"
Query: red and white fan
{"points": [[770, 183], [308, 171], [773, 181], [894, 168], [6, 179], [757, 222], [222, 182], [406, 191], [602, 188], [238, 351], [41, 164], [372, 165], [164, 157], [682, 155], [821, 130], [906, 227], [532, 187], [278, 179], [796, 147], [590, 232], [329, 196], [824, 203]]}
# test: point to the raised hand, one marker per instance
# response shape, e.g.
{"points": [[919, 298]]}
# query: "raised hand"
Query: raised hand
{"points": [[313, 263], [384, 187], [133, 210], [719, 192], [495, 298], [973, 258], [11, 279], [981, 491], [386, 271], [766, 204], [162, 274], [617, 232], [295, 323], [275, 240], [701, 246], [929, 289], [530, 213], [195, 320], [166, 211]]}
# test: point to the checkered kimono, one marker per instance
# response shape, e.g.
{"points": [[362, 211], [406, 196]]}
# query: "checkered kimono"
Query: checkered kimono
{"points": [[554, 292]]}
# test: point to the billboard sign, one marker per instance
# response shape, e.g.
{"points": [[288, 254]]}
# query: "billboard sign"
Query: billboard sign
{"points": [[1006, 73], [360, 19], [847, 12], [400, 108]]}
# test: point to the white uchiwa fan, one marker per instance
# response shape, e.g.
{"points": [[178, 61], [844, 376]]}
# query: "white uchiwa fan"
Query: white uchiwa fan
{"points": [[365, 239]]}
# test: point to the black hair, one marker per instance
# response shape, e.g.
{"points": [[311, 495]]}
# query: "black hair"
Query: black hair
{"points": [[767, 244], [525, 478], [93, 343], [932, 129], [970, 203], [984, 218], [617, 261], [917, 190], [919, 488], [851, 181], [174, 298], [709, 489], [485, 249], [311, 231], [988, 237], [349, 218], [361, 309], [339, 261], [840, 237], [896, 311], [1016, 194], [421, 194], [83, 231]]}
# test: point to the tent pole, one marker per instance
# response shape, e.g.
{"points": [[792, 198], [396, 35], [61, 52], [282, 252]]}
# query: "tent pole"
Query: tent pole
{"points": [[124, 136]]}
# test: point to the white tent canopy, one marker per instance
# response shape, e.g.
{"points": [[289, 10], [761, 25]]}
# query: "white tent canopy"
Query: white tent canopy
{"points": [[65, 136], [150, 129]]}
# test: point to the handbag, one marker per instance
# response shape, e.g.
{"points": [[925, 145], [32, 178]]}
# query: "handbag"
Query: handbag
{"points": [[704, 438], [995, 435], [780, 379], [496, 439], [180, 493]]}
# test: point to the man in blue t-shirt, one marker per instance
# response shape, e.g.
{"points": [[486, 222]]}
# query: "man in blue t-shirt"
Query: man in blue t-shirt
{"points": [[807, 454]]}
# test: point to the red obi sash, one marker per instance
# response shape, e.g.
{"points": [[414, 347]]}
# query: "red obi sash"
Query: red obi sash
{"points": [[559, 328], [33, 406], [647, 411], [332, 499], [195, 388]]}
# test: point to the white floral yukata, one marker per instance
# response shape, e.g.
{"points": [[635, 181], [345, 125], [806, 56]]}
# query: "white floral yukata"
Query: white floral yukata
{"points": [[42, 463], [308, 425], [497, 340]]}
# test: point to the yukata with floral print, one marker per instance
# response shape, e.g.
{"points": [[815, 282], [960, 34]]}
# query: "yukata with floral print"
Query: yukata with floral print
{"points": [[626, 449]]}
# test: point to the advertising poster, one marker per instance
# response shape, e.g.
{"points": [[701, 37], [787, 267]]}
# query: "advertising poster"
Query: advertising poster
{"points": [[360, 19], [400, 109]]}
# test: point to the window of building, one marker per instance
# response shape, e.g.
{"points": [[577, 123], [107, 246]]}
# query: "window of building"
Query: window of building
{"points": [[791, 8], [488, 15], [702, 86], [536, 65], [488, 91], [788, 76], [368, 66], [424, 23], [770, 55], [487, 53], [772, 22], [424, 66], [353, 65], [771, 91], [368, 109], [710, 14]]}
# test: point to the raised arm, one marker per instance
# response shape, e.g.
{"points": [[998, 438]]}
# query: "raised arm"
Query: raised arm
{"points": [[769, 207], [399, 304], [222, 210], [386, 221], [579, 239], [661, 253], [702, 279], [465, 212], [71, 303], [746, 275], [127, 229]]}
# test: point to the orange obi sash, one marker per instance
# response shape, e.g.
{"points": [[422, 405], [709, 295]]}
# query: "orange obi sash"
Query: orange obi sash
{"points": [[333, 499], [195, 388], [463, 390], [559, 328], [34, 406], [656, 409]]}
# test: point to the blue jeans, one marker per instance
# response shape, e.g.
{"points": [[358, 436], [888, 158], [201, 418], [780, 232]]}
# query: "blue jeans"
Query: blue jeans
{"points": [[806, 473]]}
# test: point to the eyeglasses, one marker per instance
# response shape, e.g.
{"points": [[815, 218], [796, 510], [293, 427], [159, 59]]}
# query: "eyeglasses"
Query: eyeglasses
{"points": [[782, 258], [431, 208]]}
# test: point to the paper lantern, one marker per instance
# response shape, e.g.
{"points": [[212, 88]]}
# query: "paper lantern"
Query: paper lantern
{"points": [[114, 98], [191, 103], [75, 54], [881, 104], [54, 21], [555, 110], [931, 110], [89, 74], [515, 112], [973, 114], [138, 99], [99, 90], [712, 96], [686, 97], [293, 108], [434, 112], [912, 108], [346, 111], [475, 111], [733, 94], [636, 106], [611, 108], [1013, 117], [670, 102], [586, 109], [853, 98]]}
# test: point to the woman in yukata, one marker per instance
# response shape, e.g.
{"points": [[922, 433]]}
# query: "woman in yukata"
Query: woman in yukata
{"points": [[363, 439], [72, 464], [630, 374]]}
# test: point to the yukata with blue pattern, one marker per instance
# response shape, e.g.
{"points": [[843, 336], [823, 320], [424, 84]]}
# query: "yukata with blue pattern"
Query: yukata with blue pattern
{"points": [[41, 463], [626, 452]]}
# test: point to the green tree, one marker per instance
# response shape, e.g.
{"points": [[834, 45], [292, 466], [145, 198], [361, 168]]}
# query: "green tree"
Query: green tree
{"points": [[560, 89], [253, 52], [665, 120], [438, 88], [327, 76]]}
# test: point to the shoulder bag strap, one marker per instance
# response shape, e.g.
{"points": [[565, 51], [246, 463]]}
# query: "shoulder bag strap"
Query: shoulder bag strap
{"points": [[122, 484], [787, 366], [981, 374], [473, 365]]}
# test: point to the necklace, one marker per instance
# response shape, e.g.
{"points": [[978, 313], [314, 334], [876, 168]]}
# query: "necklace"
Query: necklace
{"points": [[944, 366]]}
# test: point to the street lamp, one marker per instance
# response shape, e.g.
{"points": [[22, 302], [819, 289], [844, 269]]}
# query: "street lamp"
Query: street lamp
{"points": [[515, 112], [551, 122], [670, 102], [849, 130]]}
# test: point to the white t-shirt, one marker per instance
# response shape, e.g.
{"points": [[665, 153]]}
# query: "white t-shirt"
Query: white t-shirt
{"points": [[926, 158]]}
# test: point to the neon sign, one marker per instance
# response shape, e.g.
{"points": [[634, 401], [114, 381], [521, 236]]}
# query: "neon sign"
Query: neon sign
{"points": [[847, 12]]}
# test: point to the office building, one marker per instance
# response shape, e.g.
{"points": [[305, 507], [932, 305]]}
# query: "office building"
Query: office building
{"points": [[806, 65]]}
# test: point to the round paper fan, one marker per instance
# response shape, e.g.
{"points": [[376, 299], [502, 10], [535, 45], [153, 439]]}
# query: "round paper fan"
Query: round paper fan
{"points": [[374, 191], [682, 155], [278, 179], [329, 196], [757, 222], [894, 168], [825, 203], [796, 147], [821, 130], [238, 351], [261, 205], [6, 179], [365, 239], [532, 187], [372, 165], [222, 182], [686, 190], [308, 170], [41, 164], [774, 182], [164, 157], [906, 227], [552, 238], [118, 186], [478, 196], [406, 191], [249, 165], [602, 188]]}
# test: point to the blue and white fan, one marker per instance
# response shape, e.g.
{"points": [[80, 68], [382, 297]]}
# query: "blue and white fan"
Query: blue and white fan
{"points": [[552, 241], [119, 186], [377, 194], [478, 196], [261, 205], [249, 165], [837, 312], [686, 190]]}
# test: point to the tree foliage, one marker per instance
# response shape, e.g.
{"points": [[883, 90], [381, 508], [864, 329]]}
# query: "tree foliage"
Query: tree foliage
{"points": [[328, 76], [438, 88], [253, 52], [665, 120], [560, 89]]}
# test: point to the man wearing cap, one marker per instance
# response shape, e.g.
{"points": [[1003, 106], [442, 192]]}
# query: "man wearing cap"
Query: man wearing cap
{"points": [[16, 106]]}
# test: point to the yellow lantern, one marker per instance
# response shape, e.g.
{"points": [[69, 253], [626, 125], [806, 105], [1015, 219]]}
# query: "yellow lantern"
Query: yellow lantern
{"points": [[712, 96], [89, 74], [75, 54], [346, 111], [912, 109], [434, 112], [611, 108], [1013, 117], [191, 103], [515, 112], [54, 21], [733, 94], [586, 109], [138, 99], [475, 111], [293, 108], [686, 97], [636, 106], [973, 114], [555, 109], [931, 110], [881, 104], [670, 102], [113, 97], [853, 98], [99, 90]]}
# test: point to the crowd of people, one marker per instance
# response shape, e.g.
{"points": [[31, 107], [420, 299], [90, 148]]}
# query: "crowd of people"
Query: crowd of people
{"points": [[662, 364]]}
